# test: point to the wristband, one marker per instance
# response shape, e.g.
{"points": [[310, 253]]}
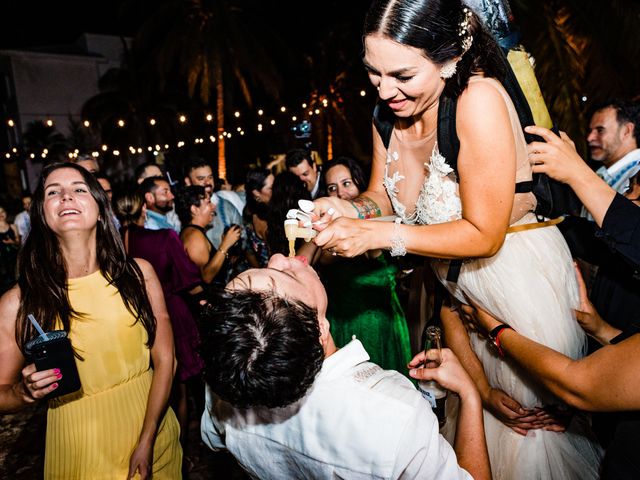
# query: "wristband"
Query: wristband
{"points": [[494, 335], [224, 252]]}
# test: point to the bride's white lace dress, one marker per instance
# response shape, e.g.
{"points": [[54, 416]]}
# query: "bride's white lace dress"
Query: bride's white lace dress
{"points": [[531, 284]]}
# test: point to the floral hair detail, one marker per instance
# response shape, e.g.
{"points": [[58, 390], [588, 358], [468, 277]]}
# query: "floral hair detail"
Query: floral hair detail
{"points": [[463, 32]]}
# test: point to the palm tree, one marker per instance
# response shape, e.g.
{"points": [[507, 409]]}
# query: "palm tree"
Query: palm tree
{"points": [[585, 52], [214, 49]]}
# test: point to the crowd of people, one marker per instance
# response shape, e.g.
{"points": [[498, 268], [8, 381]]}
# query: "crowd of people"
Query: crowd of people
{"points": [[181, 300]]}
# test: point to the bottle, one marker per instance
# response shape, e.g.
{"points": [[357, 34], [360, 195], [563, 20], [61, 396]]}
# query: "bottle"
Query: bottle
{"points": [[430, 389]]}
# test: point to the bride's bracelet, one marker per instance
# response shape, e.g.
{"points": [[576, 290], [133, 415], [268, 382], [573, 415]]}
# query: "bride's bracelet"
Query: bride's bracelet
{"points": [[366, 208], [398, 246]]}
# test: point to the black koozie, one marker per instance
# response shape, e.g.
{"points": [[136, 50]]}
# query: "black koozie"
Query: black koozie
{"points": [[55, 352]]}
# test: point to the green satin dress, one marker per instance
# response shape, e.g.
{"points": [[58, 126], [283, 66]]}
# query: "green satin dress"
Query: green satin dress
{"points": [[363, 302]]}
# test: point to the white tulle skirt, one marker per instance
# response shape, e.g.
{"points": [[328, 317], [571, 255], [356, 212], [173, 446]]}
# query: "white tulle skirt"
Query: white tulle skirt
{"points": [[531, 284]]}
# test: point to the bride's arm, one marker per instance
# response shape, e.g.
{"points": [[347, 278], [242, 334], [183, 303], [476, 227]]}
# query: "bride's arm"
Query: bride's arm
{"points": [[487, 170]]}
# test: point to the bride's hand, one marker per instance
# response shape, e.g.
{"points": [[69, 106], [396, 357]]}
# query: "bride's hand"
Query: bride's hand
{"points": [[510, 412], [347, 237], [327, 209]]}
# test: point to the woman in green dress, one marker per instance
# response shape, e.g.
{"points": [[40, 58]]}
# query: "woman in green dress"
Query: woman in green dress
{"points": [[361, 290]]}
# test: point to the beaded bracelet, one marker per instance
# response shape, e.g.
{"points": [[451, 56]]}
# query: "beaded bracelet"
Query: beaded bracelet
{"points": [[398, 246]]}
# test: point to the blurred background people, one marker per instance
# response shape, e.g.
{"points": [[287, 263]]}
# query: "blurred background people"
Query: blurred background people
{"points": [[75, 276], [179, 278], [195, 211], [300, 162], [9, 245], [22, 218]]}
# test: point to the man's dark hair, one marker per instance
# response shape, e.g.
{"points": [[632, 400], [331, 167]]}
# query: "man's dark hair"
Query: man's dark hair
{"points": [[195, 162], [296, 156], [139, 170], [150, 184], [626, 111], [259, 348]]}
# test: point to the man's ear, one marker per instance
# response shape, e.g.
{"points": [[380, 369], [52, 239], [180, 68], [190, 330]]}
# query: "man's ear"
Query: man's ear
{"points": [[324, 329], [627, 131], [187, 181], [149, 198]]}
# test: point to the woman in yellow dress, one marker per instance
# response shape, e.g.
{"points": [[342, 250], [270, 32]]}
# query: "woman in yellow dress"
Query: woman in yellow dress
{"points": [[74, 275]]}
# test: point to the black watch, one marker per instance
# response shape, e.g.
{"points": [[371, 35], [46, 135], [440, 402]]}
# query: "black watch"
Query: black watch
{"points": [[494, 336]]}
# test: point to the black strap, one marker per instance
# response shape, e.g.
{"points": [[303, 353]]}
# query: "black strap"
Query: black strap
{"points": [[383, 119], [448, 142]]}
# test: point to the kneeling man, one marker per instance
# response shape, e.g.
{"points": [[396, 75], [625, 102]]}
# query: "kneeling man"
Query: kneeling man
{"points": [[288, 404]]}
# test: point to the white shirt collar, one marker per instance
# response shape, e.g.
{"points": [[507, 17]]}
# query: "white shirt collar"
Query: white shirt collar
{"points": [[352, 354], [632, 156]]}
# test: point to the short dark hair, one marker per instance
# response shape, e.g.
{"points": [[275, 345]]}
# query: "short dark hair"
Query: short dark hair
{"points": [[185, 198], [139, 170], [259, 348], [296, 156], [626, 111], [195, 162], [150, 184]]}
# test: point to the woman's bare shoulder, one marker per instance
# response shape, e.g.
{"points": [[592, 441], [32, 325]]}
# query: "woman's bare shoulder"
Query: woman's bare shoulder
{"points": [[9, 305]]}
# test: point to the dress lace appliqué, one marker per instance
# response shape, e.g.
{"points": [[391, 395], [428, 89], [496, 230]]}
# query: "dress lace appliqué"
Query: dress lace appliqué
{"points": [[439, 200]]}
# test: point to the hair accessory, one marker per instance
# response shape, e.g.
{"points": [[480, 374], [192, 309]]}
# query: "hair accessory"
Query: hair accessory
{"points": [[463, 32], [398, 247], [448, 69]]}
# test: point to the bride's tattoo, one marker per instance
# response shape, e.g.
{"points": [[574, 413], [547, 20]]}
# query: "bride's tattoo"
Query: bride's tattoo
{"points": [[366, 207]]}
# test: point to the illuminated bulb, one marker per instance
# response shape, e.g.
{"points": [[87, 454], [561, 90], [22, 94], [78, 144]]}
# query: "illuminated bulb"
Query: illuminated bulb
{"points": [[260, 112], [166, 146], [273, 122], [180, 144], [283, 109], [45, 151], [14, 150], [236, 114], [316, 111], [121, 123], [139, 150], [182, 118], [8, 155], [363, 93], [104, 148], [33, 155], [259, 127], [95, 154], [238, 129], [116, 153], [209, 117], [242, 132], [304, 105], [152, 121], [86, 123], [11, 123], [294, 118]]}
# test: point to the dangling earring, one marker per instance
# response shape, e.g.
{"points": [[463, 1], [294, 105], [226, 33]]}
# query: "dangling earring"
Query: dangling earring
{"points": [[448, 69]]}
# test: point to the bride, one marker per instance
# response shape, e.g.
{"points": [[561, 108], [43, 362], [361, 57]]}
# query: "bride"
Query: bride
{"points": [[414, 51]]}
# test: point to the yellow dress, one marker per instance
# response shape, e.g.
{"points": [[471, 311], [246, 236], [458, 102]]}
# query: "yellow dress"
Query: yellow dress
{"points": [[92, 433]]}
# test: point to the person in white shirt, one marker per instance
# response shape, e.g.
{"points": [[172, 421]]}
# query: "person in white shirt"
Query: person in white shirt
{"points": [[288, 404], [613, 136], [22, 221]]}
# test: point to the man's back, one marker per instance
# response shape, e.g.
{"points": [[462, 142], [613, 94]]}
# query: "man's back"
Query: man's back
{"points": [[356, 421]]}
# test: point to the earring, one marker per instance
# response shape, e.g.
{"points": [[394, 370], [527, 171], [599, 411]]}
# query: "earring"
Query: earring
{"points": [[448, 70]]}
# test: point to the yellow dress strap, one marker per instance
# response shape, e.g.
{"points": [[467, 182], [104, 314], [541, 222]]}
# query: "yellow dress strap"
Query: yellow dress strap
{"points": [[531, 226]]}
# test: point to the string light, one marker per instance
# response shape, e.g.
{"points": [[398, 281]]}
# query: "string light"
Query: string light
{"points": [[310, 108]]}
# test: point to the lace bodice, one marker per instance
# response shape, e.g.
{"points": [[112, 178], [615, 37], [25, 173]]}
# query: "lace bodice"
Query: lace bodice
{"points": [[437, 196], [438, 201]]}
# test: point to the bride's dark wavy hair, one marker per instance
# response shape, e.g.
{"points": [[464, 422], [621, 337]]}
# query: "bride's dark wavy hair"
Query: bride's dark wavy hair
{"points": [[43, 272], [433, 26]]}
